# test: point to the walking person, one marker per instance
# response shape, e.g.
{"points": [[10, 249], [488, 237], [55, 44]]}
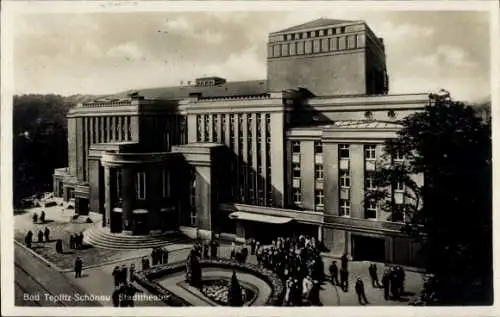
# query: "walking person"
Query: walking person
{"points": [[124, 273], [344, 260], [80, 240], [78, 267], [334, 272], [59, 246], [360, 291], [42, 216], [131, 272], [35, 217], [213, 249], [205, 250], [28, 239]]}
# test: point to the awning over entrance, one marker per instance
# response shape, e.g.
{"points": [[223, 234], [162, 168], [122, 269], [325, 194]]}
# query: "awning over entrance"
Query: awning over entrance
{"points": [[240, 215]]}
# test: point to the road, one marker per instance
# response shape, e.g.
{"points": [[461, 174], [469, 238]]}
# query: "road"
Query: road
{"points": [[37, 284]]}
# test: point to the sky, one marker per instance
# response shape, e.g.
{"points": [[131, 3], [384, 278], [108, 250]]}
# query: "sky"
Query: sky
{"points": [[104, 53]]}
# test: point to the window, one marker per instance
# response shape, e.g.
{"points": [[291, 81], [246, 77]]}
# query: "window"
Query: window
{"points": [[140, 186], [344, 150], [317, 33], [297, 196], [371, 210], [369, 182], [400, 186], [318, 147], [308, 47], [370, 152], [198, 128], [345, 180], [368, 115], [345, 207], [192, 213], [165, 180], [319, 198], [118, 183], [296, 170], [319, 171], [398, 155], [298, 36], [295, 147]]}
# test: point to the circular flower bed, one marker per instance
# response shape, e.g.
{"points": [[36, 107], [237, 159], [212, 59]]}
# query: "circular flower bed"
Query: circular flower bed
{"points": [[218, 290]]}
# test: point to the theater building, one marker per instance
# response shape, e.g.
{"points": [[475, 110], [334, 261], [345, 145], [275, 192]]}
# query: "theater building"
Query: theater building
{"points": [[287, 155]]}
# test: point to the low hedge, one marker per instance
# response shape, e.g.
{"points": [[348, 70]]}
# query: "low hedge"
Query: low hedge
{"points": [[146, 279]]}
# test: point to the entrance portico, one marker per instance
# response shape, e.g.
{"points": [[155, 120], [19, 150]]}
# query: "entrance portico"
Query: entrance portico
{"points": [[137, 193]]}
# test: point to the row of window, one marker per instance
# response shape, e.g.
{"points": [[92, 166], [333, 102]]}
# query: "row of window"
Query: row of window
{"points": [[250, 130], [106, 129], [312, 34], [324, 45], [140, 184]]}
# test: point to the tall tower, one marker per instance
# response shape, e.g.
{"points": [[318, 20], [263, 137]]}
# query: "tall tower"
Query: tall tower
{"points": [[327, 57]]}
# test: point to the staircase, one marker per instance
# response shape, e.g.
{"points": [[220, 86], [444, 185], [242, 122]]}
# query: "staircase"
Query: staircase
{"points": [[101, 237]]}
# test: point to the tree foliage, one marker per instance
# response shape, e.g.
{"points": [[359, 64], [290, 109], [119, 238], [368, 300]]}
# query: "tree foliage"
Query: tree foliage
{"points": [[40, 142], [451, 212]]}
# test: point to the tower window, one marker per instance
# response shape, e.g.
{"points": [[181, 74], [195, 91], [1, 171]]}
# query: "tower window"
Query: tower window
{"points": [[370, 152]]}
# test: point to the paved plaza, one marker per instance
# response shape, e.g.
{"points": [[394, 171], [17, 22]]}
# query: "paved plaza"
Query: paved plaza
{"points": [[97, 276]]}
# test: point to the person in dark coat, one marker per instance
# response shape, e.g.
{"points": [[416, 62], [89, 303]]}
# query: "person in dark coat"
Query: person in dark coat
{"points": [[116, 296], [78, 267], [72, 241], [253, 244], [28, 239], [154, 256], [40, 236], [213, 248], [42, 216], [394, 284], [360, 291], [372, 270], [344, 260], [35, 217], [143, 263], [131, 272], [386, 281], [164, 254], [124, 273], [401, 279], [334, 273], [80, 240], [344, 279], [205, 250], [59, 246], [146, 264], [46, 233], [117, 276], [129, 291]]}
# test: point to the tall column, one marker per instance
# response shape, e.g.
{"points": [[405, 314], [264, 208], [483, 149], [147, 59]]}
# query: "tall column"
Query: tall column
{"points": [[204, 202], [106, 222], [128, 198], [154, 196], [357, 171]]}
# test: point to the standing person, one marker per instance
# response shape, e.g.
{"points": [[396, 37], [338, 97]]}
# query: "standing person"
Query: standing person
{"points": [[244, 253], [252, 246], [40, 236], [143, 263], [59, 246], [153, 256], [71, 242], [213, 249], [46, 233], [28, 239], [165, 256], [117, 274], [116, 296], [35, 217], [386, 280], [394, 283], [205, 250], [124, 273], [130, 291], [360, 291], [372, 270], [344, 279], [344, 260], [131, 272], [401, 277], [42, 216], [334, 272], [78, 267], [80, 240]]}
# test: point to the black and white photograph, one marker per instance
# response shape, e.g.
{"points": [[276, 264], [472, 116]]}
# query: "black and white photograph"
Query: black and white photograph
{"points": [[221, 155]]}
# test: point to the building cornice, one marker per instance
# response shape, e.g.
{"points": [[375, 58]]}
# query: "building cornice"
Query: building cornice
{"points": [[121, 159], [320, 54]]}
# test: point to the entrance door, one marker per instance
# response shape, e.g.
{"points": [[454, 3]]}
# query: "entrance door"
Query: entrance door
{"points": [[368, 248], [116, 222], [141, 224], [82, 206]]}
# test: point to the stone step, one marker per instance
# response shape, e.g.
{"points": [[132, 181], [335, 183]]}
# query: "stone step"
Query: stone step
{"points": [[101, 237]]}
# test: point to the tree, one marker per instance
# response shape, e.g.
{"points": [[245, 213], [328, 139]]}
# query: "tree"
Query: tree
{"points": [[234, 296], [450, 213], [40, 142]]}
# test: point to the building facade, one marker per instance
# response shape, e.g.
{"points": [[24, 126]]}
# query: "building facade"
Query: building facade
{"points": [[288, 155]]}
